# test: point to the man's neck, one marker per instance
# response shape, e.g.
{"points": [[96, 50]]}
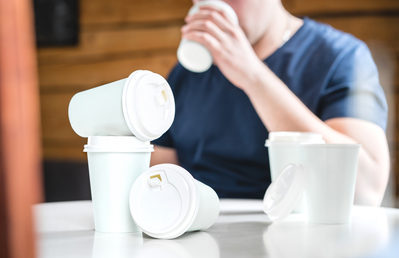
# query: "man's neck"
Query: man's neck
{"points": [[273, 37]]}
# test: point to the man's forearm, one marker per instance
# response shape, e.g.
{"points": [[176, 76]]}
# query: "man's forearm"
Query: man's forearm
{"points": [[280, 110]]}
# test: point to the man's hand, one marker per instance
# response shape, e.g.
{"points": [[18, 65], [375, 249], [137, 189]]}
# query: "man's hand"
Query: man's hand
{"points": [[230, 48]]}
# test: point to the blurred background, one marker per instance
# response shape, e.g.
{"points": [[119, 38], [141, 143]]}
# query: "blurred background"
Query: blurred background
{"points": [[86, 43]]}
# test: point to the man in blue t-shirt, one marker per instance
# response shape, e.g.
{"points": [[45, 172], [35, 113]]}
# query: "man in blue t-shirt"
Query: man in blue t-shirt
{"points": [[273, 72]]}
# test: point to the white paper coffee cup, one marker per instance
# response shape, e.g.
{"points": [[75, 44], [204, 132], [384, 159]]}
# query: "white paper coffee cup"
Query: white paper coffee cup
{"points": [[330, 188], [285, 148], [194, 56], [166, 201], [114, 164], [141, 105]]}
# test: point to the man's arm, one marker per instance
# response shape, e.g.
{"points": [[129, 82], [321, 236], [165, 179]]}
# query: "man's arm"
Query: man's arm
{"points": [[373, 167], [163, 155], [279, 108]]}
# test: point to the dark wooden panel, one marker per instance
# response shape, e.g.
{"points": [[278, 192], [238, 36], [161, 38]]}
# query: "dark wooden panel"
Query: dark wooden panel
{"points": [[20, 157], [369, 28], [339, 7], [101, 44], [59, 140], [55, 121], [127, 11], [63, 152], [77, 77]]}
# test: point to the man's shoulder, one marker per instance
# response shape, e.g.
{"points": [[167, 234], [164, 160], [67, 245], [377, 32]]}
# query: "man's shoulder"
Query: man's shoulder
{"points": [[331, 41]]}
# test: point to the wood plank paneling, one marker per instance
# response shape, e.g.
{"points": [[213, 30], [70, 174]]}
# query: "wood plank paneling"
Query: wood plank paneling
{"points": [[102, 44], [325, 7], [127, 11], [62, 152], [56, 127], [369, 28], [77, 77]]}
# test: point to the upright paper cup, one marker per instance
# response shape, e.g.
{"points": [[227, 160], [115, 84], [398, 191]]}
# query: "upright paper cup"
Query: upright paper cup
{"points": [[141, 105], [114, 164], [166, 201], [285, 148], [331, 181], [194, 56]]}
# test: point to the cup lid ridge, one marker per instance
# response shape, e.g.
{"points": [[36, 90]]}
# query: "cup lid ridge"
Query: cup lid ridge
{"points": [[164, 201]]}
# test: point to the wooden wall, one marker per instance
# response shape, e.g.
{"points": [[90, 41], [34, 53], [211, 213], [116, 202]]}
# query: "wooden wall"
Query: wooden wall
{"points": [[120, 36]]}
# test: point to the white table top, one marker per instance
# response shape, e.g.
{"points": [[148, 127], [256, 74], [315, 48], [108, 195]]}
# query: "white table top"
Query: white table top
{"points": [[66, 229]]}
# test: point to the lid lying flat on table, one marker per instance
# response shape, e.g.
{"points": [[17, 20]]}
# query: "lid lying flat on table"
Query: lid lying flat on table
{"points": [[293, 138], [164, 201], [284, 193], [148, 105], [117, 144]]}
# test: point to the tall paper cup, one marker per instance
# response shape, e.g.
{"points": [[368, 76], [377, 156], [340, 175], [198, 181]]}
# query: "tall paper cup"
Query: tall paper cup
{"points": [[331, 181], [285, 148], [194, 56], [114, 164], [166, 201], [141, 105]]}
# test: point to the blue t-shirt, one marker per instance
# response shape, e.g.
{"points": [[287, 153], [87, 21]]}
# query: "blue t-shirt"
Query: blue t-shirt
{"points": [[218, 136]]}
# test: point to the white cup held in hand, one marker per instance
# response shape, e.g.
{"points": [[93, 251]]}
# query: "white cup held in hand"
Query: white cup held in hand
{"points": [[194, 56], [141, 105], [166, 201], [330, 188], [114, 164]]}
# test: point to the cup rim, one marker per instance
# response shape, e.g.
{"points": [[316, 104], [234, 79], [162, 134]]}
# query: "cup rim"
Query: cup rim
{"points": [[332, 145]]}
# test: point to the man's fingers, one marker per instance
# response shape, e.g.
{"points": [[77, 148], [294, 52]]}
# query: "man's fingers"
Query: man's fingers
{"points": [[205, 26], [214, 16], [204, 38]]}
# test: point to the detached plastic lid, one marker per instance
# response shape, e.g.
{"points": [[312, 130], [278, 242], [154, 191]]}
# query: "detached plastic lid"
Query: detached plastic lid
{"points": [[117, 144], [293, 138], [164, 201], [148, 105], [284, 193]]}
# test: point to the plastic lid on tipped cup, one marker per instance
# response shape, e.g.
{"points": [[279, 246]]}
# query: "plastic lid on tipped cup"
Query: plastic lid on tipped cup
{"points": [[148, 105], [284, 193], [294, 138], [164, 201], [194, 56]]}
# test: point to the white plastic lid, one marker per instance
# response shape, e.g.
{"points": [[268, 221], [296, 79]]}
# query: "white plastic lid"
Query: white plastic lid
{"points": [[284, 193], [117, 144], [148, 105], [281, 138], [164, 201], [194, 56]]}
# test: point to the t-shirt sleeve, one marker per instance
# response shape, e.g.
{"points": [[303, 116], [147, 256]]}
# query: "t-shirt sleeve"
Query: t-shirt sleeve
{"points": [[354, 89]]}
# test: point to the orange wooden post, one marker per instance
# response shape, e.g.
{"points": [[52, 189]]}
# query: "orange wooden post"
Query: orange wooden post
{"points": [[20, 155]]}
